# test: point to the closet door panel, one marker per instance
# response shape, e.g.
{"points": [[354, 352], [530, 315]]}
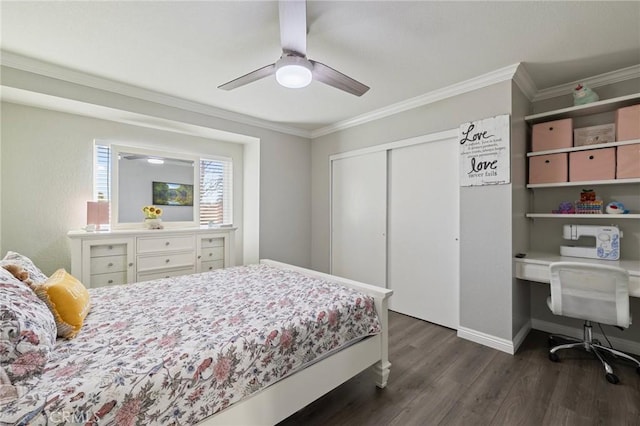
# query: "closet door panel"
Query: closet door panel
{"points": [[423, 256], [358, 217]]}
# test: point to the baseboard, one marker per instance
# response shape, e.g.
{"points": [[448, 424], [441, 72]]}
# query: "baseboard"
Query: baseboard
{"points": [[494, 342], [521, 335], [623, 345]]}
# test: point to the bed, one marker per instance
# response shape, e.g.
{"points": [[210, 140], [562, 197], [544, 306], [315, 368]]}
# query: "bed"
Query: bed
{"points": [[216, 348]]}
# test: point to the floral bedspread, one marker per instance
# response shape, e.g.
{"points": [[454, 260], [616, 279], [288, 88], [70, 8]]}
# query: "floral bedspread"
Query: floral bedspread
{"points": [[177, 350]]}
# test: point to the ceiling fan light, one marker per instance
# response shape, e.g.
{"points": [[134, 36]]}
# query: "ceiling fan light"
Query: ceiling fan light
{"points": [[293, 72], [293, 76]]}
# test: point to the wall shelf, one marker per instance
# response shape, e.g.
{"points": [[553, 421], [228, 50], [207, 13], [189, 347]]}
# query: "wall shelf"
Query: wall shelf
{"points": [[586, 183], [582, 110], [582, 216], [583, 148]]}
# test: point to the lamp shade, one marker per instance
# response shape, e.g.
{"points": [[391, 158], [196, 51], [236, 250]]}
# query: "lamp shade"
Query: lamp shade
{"points": [[97, 213]]}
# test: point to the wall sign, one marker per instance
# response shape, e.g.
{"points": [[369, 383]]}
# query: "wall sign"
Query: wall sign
{"points": [[485, 157]]}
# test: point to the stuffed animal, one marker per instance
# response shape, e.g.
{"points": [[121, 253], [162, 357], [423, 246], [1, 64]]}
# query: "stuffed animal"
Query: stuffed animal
{"points": [[616, 207], [583, 95], [19, 273]]}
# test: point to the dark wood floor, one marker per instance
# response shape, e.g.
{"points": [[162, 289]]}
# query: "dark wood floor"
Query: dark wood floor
{"points": [[440, 379]]}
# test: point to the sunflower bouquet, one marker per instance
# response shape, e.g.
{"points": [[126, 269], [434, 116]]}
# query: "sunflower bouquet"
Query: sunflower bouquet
{"points": [[151, 212]]}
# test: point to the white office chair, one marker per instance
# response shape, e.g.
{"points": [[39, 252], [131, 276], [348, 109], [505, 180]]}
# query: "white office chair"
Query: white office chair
{"points": [[591, 292]]}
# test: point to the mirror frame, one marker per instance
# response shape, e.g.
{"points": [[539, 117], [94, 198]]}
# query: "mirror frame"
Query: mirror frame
{"points": [[116, 150]]}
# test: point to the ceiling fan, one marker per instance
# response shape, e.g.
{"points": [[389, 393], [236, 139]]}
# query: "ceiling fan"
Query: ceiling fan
{"points": [[293, 69]]}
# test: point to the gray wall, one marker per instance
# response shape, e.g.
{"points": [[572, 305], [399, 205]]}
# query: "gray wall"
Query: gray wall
{"points": [[284, 184], [520, 204], [485, 242], [47, 175]]}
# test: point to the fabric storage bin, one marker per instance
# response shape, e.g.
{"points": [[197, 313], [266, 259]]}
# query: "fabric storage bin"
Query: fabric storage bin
{"points": [[550, 168], [595, 164], [595, 134], [628, 161], [628, 123], [552, 135]]}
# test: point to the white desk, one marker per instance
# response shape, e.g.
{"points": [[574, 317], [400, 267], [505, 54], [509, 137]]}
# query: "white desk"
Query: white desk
{"points": [[535, 267]]}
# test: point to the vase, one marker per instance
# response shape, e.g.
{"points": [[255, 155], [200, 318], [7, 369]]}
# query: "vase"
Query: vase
{"points": [[153, 223]]}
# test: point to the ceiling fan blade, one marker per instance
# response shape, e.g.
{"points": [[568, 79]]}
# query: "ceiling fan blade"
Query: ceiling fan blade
{"points": [[293, 26], [249, 78], [328, 75]]}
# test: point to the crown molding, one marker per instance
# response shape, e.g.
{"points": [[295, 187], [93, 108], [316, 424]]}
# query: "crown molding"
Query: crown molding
{"points": [[32, 65], [476, 83], [607, 78], [524, 81]]}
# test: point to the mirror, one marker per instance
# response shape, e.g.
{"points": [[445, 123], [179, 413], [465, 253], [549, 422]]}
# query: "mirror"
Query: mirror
{"points": [[144, 177]]}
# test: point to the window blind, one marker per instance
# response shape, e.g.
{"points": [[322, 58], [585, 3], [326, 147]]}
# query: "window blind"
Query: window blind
{"points": [[102, 173], [216, 189]]}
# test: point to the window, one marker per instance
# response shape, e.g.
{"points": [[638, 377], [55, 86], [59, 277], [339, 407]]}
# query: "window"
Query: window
{"points": [[216, 188], [216, 185], [102, 173]]}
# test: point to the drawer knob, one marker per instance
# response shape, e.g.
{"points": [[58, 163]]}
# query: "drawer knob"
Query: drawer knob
{"points": [[551, 128], [166, 261], [110, 247], [167, 243], [547, 161], [211, 268], [591, 157], [110, 265], [210, 254], [199, 257], [210, 240], [131, 264], [167, 276], [110, 282]]}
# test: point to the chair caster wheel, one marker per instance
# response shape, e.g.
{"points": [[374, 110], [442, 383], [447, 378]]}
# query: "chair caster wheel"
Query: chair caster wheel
{"points": [[612, 378], [554, 357]]}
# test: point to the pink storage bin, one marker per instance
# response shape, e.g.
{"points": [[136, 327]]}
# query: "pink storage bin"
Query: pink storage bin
{"points": [[628, 161], [596, 164], [552, 135], [550, 168], [628, 123]]}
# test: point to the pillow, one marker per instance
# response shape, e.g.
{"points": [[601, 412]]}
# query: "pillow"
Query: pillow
{"points": [[67, 299], [13, 258], [27, 330]]}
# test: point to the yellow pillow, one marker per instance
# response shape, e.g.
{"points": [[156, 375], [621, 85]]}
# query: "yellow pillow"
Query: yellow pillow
{"points": [[68, 300]]}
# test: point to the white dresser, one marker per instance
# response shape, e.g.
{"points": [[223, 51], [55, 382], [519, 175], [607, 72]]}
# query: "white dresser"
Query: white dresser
{"points": [[115, 257]]}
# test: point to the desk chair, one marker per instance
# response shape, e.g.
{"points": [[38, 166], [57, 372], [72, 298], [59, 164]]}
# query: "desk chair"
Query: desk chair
{"points": [[591, 292]]}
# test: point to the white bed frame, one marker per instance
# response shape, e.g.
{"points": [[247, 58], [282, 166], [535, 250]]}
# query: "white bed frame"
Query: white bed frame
{"points": [[280, 400]]}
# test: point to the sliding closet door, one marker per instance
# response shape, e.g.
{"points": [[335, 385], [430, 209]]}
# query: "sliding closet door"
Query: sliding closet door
{"points": [[359, 217], [423, 231]]}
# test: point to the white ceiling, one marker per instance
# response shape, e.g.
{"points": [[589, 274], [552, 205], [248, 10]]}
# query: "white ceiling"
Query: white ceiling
{"points": [[400, 49]]}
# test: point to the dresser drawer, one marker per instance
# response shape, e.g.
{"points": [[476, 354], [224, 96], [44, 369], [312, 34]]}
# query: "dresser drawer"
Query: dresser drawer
{"points": [[163, 261], [169, 243], [108, 264], [108, 250], [103, 280], [212, 242], [212, 265], [213, 253], [154, 275]]}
